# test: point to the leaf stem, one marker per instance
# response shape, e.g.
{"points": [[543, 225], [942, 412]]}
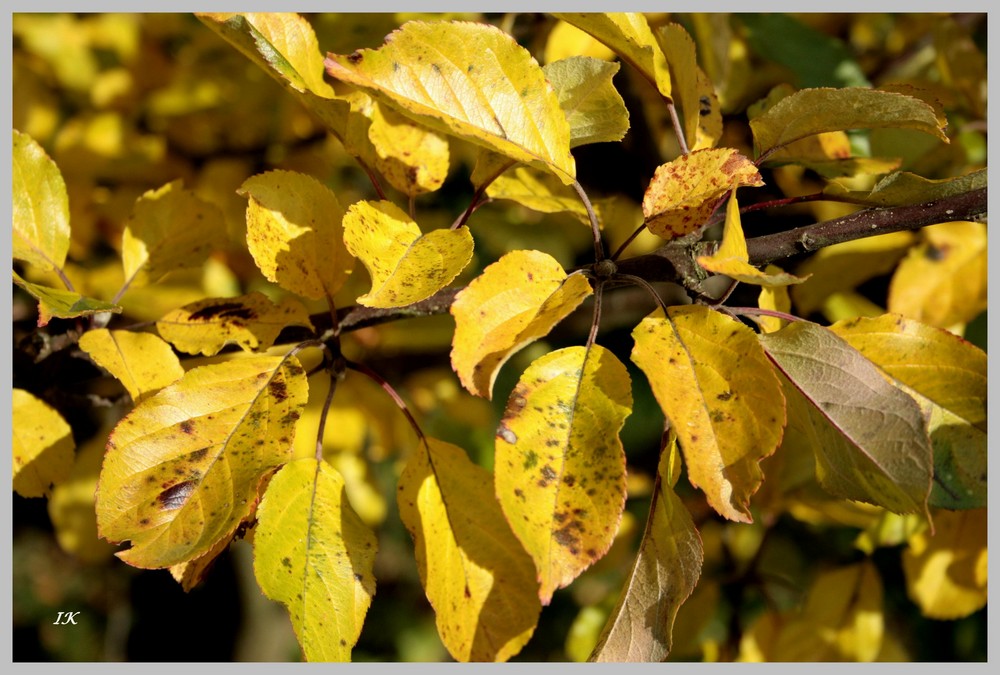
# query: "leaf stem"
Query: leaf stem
{"points": [[757, 311], [594, 225], [629, 240], [373, 178], [728, 292], [378, 379], [814, 197], [639, 281], [324, 413], [678, 129], [596, 322]]}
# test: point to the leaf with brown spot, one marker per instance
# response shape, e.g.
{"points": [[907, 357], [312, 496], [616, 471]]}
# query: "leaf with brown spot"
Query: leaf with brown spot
{"points": [[42, 445]]}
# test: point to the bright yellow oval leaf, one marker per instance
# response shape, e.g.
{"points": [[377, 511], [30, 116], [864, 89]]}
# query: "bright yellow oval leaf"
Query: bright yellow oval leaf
{"points": [[470, 80], [182, 469], [313, 554], [683, 193], [142, 362], [721, 395], [478, 579], [57, 303], [515, 301], [252, 321], [594, 109], [41, 206], [43, 445], [560, 466], [405, 265], [566, 40], [412, 158], [294, 233]]}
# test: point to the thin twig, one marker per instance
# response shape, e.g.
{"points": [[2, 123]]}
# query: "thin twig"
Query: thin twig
{"points": [[678, 129], [324, 413], [596, 322], [639, 281], [373, 178], [594, 225], [757, 311], [629, 240], [378, 379]]}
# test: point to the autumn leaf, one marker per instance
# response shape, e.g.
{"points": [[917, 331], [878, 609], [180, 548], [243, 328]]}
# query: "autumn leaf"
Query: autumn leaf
{"points": [[60, 304], [405, 265], [41, 206], [721, 395], [559, 464], [142, 362], [412, 158], [535, 190], [684, 192], [692, 89], [902, 188], [478, 579], [182, 469], [294, 233], [775, 298], [469, 80], [42, 448], [313, 554], [251, 321], [594, 109]]}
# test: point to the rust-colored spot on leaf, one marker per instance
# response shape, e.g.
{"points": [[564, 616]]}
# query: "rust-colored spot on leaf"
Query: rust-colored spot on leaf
{"points": [[175, 496], [187, 426], [278, 390]]}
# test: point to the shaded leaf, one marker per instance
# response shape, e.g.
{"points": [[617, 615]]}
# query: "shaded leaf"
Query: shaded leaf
{"points": [[515, 301], [313, 554], [902, 188], [560, 466], [721, 395], [412, 158], [252, 321], [692, 90], [565, 41], [405, 265], [477, 577], [774, 298], [294, 233], [869, 437], [182, 469], [594, 109], [41, 206], [60, 304], [190, 574], [42, 447], [142, 362], [538, 192]]}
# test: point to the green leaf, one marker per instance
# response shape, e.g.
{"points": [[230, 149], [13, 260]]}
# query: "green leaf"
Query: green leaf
{"points": [[559, 463], [60, 304], [469, 80], [477, 577], [142, 362], [313, 554], [594, 109], [903, 189], [182, 469], [870, 438], [41, 206], [42, 445]]}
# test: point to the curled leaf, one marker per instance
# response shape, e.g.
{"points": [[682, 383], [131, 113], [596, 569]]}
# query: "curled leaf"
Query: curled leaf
{"points": [[62, 304], [42, 448], [594, 109]]}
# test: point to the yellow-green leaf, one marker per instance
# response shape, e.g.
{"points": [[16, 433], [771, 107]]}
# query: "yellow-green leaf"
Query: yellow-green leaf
{"points": [[182, 469], [470, 80], [594, 109], [732, 259], [721, 395], [539, 192], [170, 228], [405, 265], [814, 111], [42, 445], [142, 362], [313, 554], [665, 572], [252, 321], [478, 579], [684, 192], [60, 304], [294, 233], [515, 301], [869, 437], [903, 189], [775, 298], [560, 466], [692, 89], [41, 206]]}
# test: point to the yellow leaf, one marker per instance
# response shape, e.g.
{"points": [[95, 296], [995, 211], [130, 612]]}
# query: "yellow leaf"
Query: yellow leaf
{"points": [[566, 40], [169, 229], [142, 362], [191, 573], [683, 193], [57, 303], [529, 188], [664, 575], [41, 206], [943, 279], [594, 109], [477, 577], [515, 301], [182, 469], [412, 158], [313, 554], [559, 463], [946, 573], [732, 259], [844, 305], [774, 298], [692, 89], [294, 233], [721, 395], [470, 80], [252, 321], [405, 265], [42, 447]]}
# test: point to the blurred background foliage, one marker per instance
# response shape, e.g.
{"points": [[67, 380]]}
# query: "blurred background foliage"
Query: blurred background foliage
{"points": [[127, 102]]}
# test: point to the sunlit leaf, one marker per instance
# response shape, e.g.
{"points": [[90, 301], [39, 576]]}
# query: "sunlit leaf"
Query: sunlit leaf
{"points": [[515, 301], [41, 206], [684, 192], [61, 304], [142, 362], [471, 80], [405, 265], [478, 579], [42, 448], [182, 469], [902, 188], [251, 321], [594, 109], [294, 233], [692, 89], [537, 191], [566, 40], [560, 466], [412, 158], [314, 555], [721, 395], [869, 437]]}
